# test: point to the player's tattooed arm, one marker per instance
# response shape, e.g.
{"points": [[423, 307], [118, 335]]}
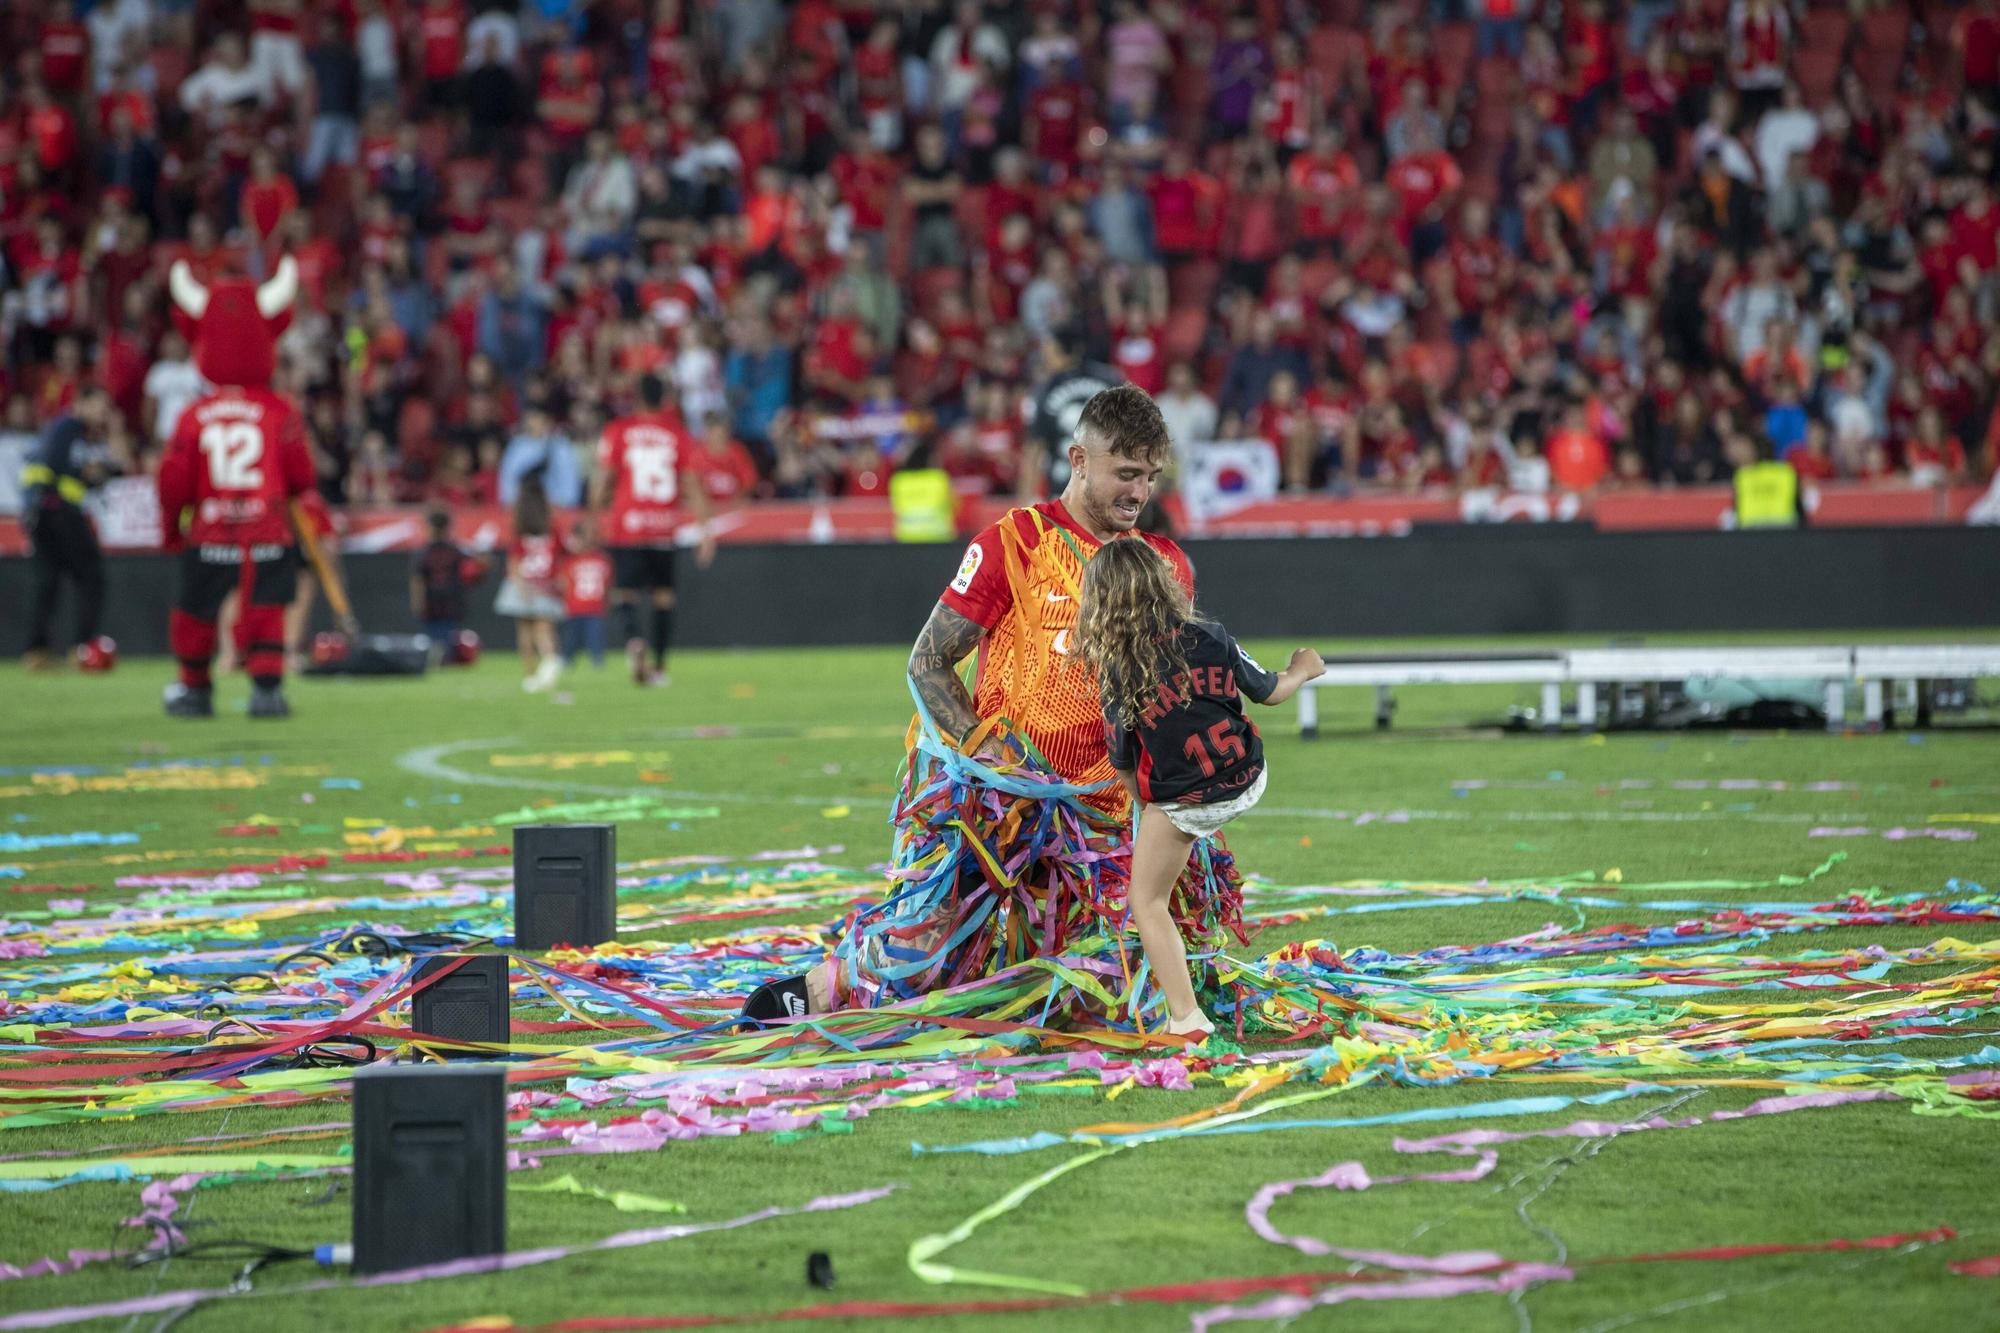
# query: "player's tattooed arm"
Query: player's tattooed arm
{"points": [[944, 641]]}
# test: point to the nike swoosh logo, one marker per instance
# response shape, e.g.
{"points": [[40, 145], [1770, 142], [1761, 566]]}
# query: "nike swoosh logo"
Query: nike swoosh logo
{"points": [[1059, 597], [794, 1006]]}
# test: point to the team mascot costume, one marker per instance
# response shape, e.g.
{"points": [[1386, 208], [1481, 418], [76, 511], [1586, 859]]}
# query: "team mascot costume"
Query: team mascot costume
{"points": [[228, 482]]}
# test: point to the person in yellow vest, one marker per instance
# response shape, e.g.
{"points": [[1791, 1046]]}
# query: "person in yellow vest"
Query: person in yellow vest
{"points": [[1013, 838], [1767, 494]]}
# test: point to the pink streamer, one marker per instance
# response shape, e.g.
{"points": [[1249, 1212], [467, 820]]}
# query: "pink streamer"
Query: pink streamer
{"points": [[51, 1266], [1417, 1289], [494, 1263], [1458, 1273], [1354, 1176], [1467, 1141]]}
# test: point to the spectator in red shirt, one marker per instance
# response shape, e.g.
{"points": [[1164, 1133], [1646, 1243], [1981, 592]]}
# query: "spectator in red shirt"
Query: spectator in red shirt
{"points": [[269, 199], [1931, 456], [878, 85], [440, 53], [1185, 203], [1480, 272], [1053, 132], [1322, 185], [65, 50], [1813, 459], [1284, 423], [728, 472], [51, 132], [866, 178], [1426, 182], [1975, 36], [1578, 457], [1135, 319]]}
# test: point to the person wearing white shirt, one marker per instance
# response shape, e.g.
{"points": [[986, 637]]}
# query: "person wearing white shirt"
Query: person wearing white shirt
{"points": [[171, 385], [1190, 414], [1785, 129], [957, 53], [112, 24], [698, 376], [227, 78], [504, 29], [601, 196], [375, 45]]}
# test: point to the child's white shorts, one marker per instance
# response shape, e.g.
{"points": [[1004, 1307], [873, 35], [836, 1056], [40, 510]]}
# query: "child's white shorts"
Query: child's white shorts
{"points": [[1198, 821]]}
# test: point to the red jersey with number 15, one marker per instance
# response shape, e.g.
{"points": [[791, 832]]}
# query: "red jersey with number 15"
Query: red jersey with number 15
{"points": [[236, 458], [646, 453]]}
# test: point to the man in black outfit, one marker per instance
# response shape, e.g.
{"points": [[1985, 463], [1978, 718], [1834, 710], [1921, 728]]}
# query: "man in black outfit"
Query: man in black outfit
{"points": [[1068, 382], [66, 462]]}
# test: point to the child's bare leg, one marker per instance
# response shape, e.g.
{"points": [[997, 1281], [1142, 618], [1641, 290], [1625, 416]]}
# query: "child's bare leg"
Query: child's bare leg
{"points": [[524, 638], [1159, 854], [820, 989]]}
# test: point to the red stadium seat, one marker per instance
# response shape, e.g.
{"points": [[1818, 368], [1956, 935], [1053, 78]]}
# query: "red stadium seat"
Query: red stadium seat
{"points": [[1492, 121], [415, 425], [1347, 13], [434, 143], [478, 170], [1453, 46], [1338, 55], [1187, 329], [1885, 30], [1818, 73], [1494, 78], [530, 178], [928, 286], [1881, 71], [1194, 283], [1316, 275], [1824, 30], [973, 224], [512, 216]]}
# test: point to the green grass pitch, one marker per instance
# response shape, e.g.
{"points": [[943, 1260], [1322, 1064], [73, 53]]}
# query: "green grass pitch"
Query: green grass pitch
{"points": [[799, 749]]}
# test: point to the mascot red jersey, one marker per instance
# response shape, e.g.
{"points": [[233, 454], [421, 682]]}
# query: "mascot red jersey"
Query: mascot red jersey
{"points": [[227, 481]]}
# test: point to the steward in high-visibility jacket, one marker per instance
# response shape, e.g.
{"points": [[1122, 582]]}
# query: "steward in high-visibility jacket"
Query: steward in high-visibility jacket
{"points": [[1767, 495]]}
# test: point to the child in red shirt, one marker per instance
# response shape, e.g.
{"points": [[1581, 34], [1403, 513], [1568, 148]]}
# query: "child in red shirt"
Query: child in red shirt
{"points": [[586, 589]]}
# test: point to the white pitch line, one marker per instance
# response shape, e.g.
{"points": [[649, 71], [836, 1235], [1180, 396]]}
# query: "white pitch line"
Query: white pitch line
{"points": [[429, 762]]}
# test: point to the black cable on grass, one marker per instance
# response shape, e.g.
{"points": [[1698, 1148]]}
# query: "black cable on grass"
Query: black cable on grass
{"points": [[291, 958], [209, 1038], [228, 1250], [337, 1053], [261, 1256]]}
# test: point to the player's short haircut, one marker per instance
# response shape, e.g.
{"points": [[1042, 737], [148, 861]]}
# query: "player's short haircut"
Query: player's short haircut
{"points": [[1128, 421], [652, 390]]}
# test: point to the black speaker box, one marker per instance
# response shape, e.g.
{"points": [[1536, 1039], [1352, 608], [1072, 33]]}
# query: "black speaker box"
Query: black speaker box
{"points": [[468, 1005], [564, 891], [430, 1165]]}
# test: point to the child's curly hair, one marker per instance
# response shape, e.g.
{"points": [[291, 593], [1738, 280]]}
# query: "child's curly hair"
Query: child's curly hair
{"points": [[1128, 627]]}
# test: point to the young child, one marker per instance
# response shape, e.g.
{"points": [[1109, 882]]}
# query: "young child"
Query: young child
{"points": [[586, 588], [439, 578], [1173, 686], [529, 595]]}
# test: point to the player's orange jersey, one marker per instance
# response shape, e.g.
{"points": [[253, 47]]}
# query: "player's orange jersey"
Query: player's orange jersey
{"points": [[1020, 580]]}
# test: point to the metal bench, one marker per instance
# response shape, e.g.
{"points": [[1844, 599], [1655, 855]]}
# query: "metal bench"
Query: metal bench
{"points": [[1917, 665], [1877, 666]]}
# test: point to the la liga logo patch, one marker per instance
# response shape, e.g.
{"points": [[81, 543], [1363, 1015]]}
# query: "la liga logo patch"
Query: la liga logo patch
{"points": [[968, 568]]}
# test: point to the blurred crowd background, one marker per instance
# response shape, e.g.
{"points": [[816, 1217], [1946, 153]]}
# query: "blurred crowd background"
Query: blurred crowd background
{"points": [[1415, 246]]}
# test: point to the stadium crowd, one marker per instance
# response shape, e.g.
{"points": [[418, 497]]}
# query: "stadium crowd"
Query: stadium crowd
{"points": [[1428, 244]]}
